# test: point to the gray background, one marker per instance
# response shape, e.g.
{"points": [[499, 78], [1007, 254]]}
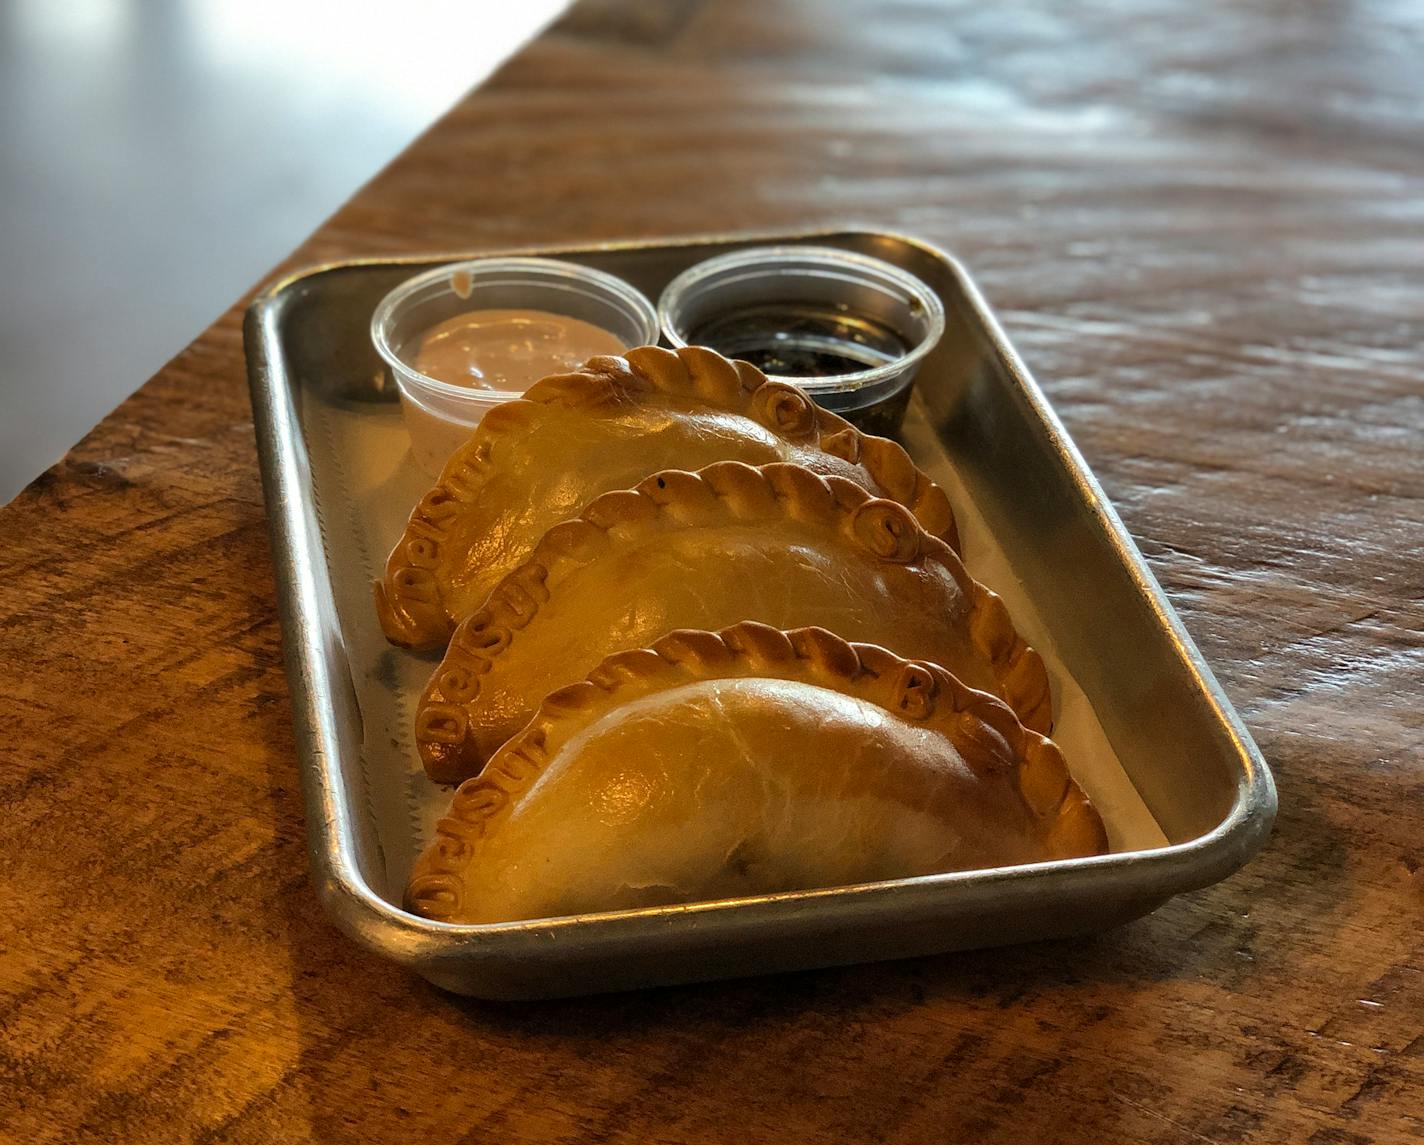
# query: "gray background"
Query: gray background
{"points": [[157, 158]]}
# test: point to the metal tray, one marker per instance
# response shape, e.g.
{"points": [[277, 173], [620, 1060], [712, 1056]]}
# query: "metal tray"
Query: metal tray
{"points": [[1184, 791]]}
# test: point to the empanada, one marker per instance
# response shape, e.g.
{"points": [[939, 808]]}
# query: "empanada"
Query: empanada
{"points": [[747, 762], [777, 544], [537, 461]]}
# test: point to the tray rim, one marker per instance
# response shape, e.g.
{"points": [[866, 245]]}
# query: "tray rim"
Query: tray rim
{"points": [[409, 939]]}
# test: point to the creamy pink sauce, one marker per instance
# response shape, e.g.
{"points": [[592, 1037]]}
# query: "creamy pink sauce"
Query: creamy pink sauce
{"points": [[508, 349]]}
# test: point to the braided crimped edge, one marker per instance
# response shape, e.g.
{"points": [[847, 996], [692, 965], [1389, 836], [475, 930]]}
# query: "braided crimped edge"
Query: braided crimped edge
{"points": [[726, 491], [981, 726], [408, 599]]}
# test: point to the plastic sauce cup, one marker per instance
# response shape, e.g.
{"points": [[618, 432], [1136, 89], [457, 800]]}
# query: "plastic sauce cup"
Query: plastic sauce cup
{"points": [[856, 328], [441, 416]]}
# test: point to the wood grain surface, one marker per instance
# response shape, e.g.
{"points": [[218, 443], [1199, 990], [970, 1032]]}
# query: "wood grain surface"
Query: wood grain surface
{"points": [[1200, 223]]}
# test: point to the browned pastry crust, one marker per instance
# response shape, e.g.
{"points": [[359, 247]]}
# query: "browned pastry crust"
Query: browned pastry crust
{"points": [[537, 461], [788, 786], [777, 544]]}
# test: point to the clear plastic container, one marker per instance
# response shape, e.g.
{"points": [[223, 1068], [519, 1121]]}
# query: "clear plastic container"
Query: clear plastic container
{"points": [[441, 416], [849, 329]]}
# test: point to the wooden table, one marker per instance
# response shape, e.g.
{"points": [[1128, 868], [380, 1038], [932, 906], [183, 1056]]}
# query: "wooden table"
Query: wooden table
{"points": [[1201, 223]]}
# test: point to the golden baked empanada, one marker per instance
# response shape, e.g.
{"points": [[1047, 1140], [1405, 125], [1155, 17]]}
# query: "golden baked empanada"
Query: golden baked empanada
{"points": [[540, 460], [777, 544], [746, 762]]}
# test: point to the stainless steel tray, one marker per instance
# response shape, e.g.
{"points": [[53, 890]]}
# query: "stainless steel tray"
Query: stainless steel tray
{"points": [[1185, 793]]}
